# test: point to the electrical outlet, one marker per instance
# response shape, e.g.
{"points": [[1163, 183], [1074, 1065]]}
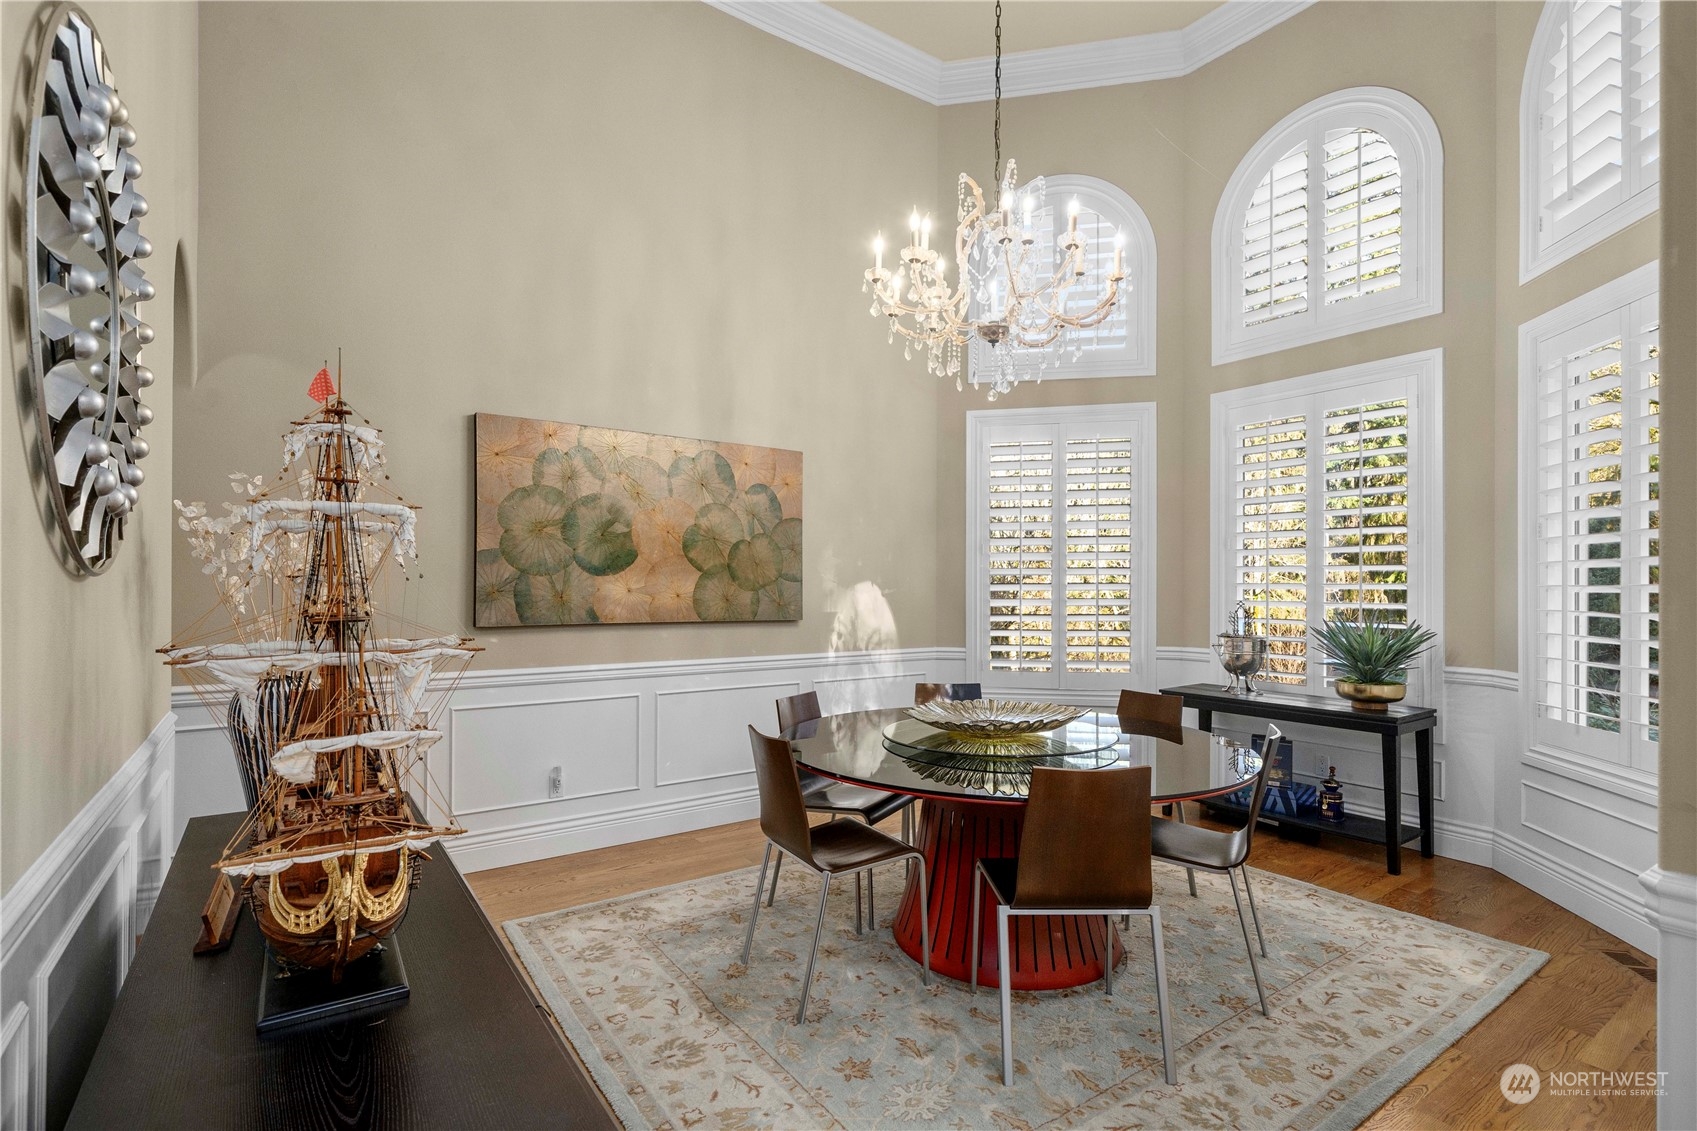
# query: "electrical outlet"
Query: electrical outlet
{"points": [[556, 782]]}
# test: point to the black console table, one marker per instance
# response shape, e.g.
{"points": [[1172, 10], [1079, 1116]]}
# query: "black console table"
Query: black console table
{"points": [[1331, 711], [470, 1048]]}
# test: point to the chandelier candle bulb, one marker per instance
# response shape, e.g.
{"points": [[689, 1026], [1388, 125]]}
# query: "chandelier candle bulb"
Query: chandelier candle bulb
{"points": [[1072, 216]]}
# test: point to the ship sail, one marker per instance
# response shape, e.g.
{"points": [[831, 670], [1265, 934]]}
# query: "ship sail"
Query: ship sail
{"points": [[328, 693]]}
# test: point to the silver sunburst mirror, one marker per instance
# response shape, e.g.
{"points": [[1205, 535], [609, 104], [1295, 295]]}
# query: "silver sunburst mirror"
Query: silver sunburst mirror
{"points": [[84, 248]]}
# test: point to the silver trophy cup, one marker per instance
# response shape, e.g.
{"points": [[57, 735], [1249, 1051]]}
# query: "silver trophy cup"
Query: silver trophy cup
{"points": [[1242, 657]]}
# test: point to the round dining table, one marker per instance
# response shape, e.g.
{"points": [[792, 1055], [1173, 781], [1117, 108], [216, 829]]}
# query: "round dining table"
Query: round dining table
{"points": [[973, 805]]}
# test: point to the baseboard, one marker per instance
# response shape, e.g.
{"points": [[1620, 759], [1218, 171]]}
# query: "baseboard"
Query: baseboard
{"points": [[517, 844], [1671, 906], [75, 913], [1616, 911]]}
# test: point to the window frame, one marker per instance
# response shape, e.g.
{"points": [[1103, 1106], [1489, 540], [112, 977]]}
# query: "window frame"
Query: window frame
{"points": [[1138, 419], [1137, 357], [1423, 373], [1544, 736], [1636, 204], [1413, 134]]}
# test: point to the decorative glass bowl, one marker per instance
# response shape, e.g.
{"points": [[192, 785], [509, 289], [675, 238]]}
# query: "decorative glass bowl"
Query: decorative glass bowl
{"points": [[993, 718]]}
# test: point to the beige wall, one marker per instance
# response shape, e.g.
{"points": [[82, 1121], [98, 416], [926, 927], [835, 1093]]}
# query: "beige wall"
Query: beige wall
{"points": [[1173, 144], [78, 689], [647, 216], [1678, 781]]}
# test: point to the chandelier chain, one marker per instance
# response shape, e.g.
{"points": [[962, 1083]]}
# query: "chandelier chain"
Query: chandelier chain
{"points": [[996, 169]]}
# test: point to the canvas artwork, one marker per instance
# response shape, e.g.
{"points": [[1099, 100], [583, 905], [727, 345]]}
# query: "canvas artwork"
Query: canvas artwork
{"points": [[585, 525]]}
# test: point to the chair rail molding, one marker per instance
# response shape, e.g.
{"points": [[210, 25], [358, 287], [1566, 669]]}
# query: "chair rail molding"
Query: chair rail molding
{"points": [[839, 37], [72, 919], [643, 749], [1672, 906]]}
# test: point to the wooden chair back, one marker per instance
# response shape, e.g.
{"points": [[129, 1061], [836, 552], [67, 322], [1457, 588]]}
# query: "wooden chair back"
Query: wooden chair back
{"points": [[924, 693], [797, 709], [1159, 715], [1065, 861], [783, 815]]}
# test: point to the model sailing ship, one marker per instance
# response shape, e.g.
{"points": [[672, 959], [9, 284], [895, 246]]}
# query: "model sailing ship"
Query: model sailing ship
{"points": [[327, 697]]}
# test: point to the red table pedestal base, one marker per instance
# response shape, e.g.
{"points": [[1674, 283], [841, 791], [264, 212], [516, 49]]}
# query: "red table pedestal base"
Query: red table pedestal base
{"points": [[1047, 952]]}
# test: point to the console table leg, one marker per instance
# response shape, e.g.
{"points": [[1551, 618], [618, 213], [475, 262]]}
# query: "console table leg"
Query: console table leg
{"points": [[1423, 772], [1392, 758], [1205, 719]]}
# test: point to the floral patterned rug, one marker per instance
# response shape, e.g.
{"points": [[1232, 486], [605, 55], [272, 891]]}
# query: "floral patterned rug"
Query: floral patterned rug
{"points": [[679, 1034]]}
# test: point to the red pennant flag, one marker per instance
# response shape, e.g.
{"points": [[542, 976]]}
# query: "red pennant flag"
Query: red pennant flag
{"points": [[321, 389]]}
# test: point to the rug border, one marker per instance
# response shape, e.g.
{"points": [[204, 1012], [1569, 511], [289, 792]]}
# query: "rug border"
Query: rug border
{"points": [[1351, 1114]]}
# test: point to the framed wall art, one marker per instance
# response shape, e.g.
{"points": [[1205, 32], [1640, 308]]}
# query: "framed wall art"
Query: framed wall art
{"points": [[584, 525]]}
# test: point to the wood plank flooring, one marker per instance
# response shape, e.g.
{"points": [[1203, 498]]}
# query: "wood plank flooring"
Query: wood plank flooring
{"points": [[1591, 1008]]}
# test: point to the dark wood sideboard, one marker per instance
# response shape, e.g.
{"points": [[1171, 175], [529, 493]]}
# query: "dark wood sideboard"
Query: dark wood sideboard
{"points": [[1331, 711], [471, 1048]]}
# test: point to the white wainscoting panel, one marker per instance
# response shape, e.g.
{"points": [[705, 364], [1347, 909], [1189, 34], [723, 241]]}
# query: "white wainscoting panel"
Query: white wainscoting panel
{"points": [[592, 740], [701, 734], [68, 928], [645, 749]]}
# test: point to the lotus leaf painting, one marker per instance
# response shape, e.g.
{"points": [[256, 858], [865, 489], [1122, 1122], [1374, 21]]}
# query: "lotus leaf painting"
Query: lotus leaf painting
{"points": [[582, 525]]}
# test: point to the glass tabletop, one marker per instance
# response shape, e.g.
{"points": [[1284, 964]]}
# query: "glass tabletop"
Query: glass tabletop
{"points": [[888, 750]]}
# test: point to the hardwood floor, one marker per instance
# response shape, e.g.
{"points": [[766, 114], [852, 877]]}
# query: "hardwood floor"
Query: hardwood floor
{"points": [[1591, 1008]]}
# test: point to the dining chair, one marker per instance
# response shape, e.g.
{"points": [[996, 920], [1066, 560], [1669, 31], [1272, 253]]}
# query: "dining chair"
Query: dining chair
{"points": [[1162, 717], [924, 693], [1054, 875], [1209, 850], [821, 794], [830, 849]]}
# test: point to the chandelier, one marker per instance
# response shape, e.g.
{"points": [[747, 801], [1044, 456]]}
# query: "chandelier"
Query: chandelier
{"points": [[1015, 296]]}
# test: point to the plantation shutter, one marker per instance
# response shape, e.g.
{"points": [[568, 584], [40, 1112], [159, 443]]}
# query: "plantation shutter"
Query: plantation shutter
{"points": [[1599, 115], [1021, 510], [1363, 210], [1270, 538], [1320, 522], [1275, 242], [1099, 505], [1067, 580], [1596, 608]]}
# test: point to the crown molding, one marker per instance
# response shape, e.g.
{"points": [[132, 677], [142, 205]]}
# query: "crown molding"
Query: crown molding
{"points": [[841, 38]]}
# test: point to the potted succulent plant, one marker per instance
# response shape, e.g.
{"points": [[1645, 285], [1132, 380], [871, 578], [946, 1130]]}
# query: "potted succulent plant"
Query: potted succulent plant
{"points": [[1370, 661]]}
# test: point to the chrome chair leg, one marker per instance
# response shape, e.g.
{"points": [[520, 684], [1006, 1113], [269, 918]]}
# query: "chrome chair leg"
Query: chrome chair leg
{"points": [[977, 900], [925, 926], [818, 926], [1161, 994], [1253, 914], [775, 868], [1189, 873], [1254, 966], [1007, 994], [759, 886], [1108, 961], [857, 931]]}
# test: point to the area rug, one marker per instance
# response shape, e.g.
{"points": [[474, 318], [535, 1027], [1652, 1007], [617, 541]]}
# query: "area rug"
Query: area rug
{"points": [[679, 1034]]}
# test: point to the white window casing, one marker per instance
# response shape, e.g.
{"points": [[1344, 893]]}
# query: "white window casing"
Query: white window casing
{"points": [[1590, 529], [1332, 224], [1328, 498], [1060, 557], [1123, 345], [1590, 109]]}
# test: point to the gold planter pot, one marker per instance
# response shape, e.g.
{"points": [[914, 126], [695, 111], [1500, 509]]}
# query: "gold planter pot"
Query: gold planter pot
{"points": [[1371, 696]]}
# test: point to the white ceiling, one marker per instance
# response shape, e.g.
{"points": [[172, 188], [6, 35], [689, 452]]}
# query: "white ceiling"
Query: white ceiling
{"points": [[965, 29]]}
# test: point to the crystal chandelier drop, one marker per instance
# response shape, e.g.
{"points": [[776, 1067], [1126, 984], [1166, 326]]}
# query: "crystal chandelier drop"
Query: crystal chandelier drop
{"points": [[1014, 293]]}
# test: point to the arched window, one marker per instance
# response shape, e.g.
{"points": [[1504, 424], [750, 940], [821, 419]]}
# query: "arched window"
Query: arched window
{"points": [[1589, 118], [1123, 345], [1333, 223]]}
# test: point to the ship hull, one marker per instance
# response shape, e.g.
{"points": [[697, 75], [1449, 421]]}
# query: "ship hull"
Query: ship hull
{"points": [[326, 914]]}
